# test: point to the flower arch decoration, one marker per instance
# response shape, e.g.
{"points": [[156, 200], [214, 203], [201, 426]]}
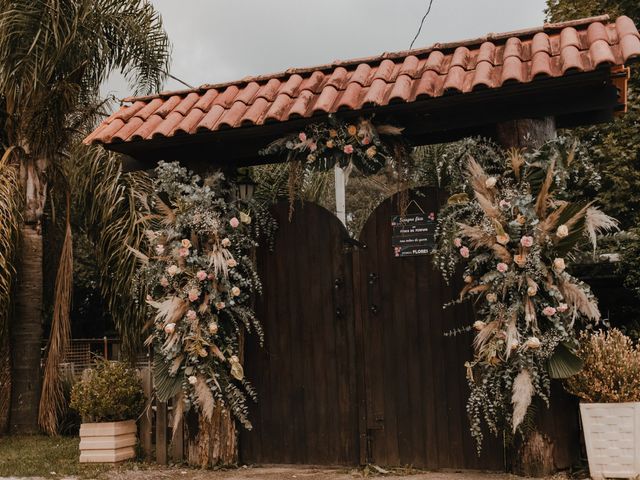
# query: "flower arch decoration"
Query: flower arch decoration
{"points": [[514, 229]]}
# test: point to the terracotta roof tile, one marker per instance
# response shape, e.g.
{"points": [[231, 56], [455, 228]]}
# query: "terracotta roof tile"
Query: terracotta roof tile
{"points": [[417, 75]]}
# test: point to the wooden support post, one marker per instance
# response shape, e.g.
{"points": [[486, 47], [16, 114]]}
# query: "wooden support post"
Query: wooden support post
{"points": [[145, 420], [547, 448], [161, 433], [340, 188]]}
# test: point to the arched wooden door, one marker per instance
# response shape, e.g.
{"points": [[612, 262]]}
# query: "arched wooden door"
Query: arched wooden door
{"points": [[414, 375], [305, 374], [355, 366]]}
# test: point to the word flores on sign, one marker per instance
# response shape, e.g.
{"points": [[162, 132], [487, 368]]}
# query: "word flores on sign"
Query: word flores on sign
{"points": [[413, 234]]}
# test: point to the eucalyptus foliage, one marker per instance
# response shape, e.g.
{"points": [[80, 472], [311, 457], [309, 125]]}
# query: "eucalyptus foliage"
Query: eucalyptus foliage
{"points": [[199, 277], [514, 226]]}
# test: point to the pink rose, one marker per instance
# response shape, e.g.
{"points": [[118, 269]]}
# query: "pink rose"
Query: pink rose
{"points": [[220, 305], [183, 252], [526, 241], [164, 282], [348, 149], [313, 147], [502, 267], [302, 136], [504, 204], [549, 311], [366, 141], [464, 251], [191, 315], [234, 222], [194, 295], [231, 263], [457, 242], [211, 276], [563, 307], [201, 275]]}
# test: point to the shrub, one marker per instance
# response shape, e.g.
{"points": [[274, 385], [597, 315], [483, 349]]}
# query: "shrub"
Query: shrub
{"points": [[110, 392], [611, 371]]}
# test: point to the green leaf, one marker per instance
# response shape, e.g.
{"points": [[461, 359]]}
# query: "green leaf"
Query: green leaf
{"points": [[564, 363]]}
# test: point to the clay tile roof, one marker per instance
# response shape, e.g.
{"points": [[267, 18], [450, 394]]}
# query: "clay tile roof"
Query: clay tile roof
{"points": [[553, 50]]}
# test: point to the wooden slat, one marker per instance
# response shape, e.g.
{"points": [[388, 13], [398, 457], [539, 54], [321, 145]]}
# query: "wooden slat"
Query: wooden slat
{"points": [[161, 433], [145, 421]]}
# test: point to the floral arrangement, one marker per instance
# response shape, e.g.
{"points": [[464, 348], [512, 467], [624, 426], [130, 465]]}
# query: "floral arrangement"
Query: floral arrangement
{"points": [[200, 277], [109, 392], [362, 144], [515, 227], [611, 371]]}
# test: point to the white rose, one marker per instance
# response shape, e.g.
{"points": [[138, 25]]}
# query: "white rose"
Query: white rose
{"points": [[213, 328], [235, 291], [479, 325], [193, 380], [172, 270], [562, 231], [559, 265], [490, 182], [532, 343], [225, 242], [532, 291], [169, 328]]}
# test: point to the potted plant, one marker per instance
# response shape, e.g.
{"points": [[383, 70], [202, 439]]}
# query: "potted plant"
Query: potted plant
{"points": [[108, 398], [609, 387]]}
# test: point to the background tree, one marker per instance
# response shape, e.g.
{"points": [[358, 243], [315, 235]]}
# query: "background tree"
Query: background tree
{"points": [[54, 55]]}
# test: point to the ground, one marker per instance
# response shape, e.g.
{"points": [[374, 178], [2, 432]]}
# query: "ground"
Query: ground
{"points": [[41, 458]]}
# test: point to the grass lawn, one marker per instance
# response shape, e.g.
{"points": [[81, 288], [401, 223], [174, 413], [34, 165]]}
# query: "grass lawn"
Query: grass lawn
{"points": [[50, 457]]}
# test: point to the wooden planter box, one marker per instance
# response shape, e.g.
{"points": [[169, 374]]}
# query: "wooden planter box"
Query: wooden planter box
{"points": [[107, 442], [612, 437]]}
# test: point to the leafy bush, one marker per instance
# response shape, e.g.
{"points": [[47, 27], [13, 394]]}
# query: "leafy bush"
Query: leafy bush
{"points": [[611, 371], [110, 392]]}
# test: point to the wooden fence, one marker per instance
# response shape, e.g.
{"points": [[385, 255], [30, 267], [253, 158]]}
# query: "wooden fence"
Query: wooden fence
{"points": [[157, 438]]}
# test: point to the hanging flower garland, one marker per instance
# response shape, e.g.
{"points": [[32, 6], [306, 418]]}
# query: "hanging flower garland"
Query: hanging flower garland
{"points": [[364, 145], [515, 231], [200, 278]]}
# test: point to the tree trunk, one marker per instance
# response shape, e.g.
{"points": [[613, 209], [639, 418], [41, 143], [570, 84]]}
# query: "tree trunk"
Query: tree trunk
{"points": [[212, 443], [26, 333], [544, 450], [26, 325]]}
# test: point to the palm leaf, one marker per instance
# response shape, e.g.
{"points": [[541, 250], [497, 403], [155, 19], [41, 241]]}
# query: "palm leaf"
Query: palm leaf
{"points": [[564, 363]]}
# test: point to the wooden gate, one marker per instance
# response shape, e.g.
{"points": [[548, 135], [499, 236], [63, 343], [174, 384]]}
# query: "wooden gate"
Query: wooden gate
{"points": [[414, 375], [356, 368], [305, 374]]}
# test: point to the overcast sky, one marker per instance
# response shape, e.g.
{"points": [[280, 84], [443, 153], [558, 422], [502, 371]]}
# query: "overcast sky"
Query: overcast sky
{"points": [[221, 40]]}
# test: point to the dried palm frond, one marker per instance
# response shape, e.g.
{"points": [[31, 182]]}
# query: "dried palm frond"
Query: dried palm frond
{"points": [[513, 337], [170, 310], [389, 130], [598, 222], [578, 300], [522, 394], [517, 161], [487, 206], [52, 399], [551, 221], [178, 413], [502, 253], [543, 196], [477, 236], [478, 178], [10, 200], [485, 334], [167, 214], [204, 397]]}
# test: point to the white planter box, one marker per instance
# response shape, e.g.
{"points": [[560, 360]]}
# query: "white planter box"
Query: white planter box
{"points": [[107, 442], [612, 436]]}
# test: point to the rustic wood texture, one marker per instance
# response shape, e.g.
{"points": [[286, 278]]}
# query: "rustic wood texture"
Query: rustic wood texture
{"points": [[558, 424], [26, 333], [415, 380], [212, 443], [305, 373]]}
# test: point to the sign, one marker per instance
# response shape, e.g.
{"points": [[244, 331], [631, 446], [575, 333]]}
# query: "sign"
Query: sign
{"points": [[413, 234]]}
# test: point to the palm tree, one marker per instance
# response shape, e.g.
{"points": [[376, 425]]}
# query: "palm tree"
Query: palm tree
{"points": [[54, 55]]}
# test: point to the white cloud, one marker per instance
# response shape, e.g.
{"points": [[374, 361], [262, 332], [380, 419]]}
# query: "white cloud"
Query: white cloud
{"points": [[222, 40]]}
